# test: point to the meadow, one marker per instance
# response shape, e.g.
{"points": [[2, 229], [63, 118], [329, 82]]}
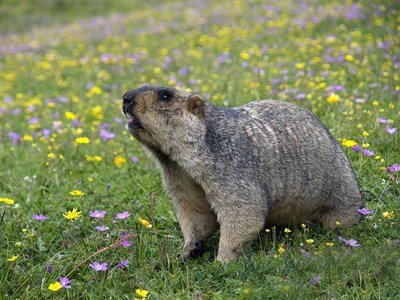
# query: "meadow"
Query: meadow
{"points": [[83, 214]]}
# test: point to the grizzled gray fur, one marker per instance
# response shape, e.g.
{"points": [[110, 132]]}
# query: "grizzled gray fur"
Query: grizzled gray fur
{"points": [[239, 168]]}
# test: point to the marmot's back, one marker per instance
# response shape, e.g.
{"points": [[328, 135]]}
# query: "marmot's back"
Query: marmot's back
{"points": [[296, 156]]}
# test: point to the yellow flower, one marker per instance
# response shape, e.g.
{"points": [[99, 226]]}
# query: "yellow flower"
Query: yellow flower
{"points": [[54, 287], [388, 215], [281, 250], [299, 65], [27, 138], [365, 133], [95, 90], [329, 244], [244, 55], [95, 158], [349, 57], [348, 143], [76, 193], [141, 293], [7, 201], [365, 145], [119, 161], [69, 115], [82, 140], [267, 230], [287, 230], [333, 98], [303, 226], [145, 223], [72, 214], [12, 258], [51, 155], [337, 223], [309, 241]]}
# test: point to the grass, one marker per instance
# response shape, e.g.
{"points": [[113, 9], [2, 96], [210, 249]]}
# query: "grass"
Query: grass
{"points": [[63, 82]]}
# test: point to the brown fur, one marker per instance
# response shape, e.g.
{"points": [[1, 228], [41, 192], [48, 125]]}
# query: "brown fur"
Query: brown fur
{"points": [[240, 168]]}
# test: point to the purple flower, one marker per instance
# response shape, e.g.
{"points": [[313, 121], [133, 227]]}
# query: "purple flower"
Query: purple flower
{"points": [[222, 58], [65, 282], [122, 215], [106, 135], [40, 217], [49, 268], [183, 71], [315, 280], [383, 120], [391, 130], [16, 112], [108, 186], [46, 133], [351, 242], [393, 168], [305, 253], [126, 243], [123, 264], [368, 152], [33, 120], [16, 137], [356, 148], [99, 266], [118, 120], [102, 228], [97, 214], [300, 96], [135, 160], [364, 211]]}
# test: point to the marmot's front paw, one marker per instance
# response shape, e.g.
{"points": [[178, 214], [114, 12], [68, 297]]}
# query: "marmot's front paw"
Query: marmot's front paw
{"points": [[192, 251]]}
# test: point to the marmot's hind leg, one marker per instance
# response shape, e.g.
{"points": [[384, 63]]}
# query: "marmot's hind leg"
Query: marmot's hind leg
{"points": [[338, 217]]}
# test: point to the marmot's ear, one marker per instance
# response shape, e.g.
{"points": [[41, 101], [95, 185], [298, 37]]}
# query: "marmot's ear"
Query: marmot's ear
{"points": [[195, 105]]}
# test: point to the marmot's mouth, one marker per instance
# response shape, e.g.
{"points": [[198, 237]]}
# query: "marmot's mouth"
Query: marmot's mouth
{"points": [[133, 122]]}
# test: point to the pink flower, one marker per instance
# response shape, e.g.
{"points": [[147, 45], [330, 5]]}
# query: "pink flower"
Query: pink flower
{"points": [[383, 121], [98, 267], [352, 242], [102, 228], [368, 152], [123, 264], [126, 243], [97, 214], [65, 282], [364, 211], [122, 215], [393, 168], [391, 130], [40, 217]]}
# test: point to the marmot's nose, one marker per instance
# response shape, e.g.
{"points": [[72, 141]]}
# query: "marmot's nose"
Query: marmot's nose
{"points": [[127, 101], [128, 98]]}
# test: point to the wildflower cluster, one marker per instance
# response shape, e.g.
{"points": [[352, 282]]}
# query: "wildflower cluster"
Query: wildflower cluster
{"points": [[75, 186]]}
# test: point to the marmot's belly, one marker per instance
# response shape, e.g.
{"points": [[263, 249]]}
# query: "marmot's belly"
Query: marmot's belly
{"points": [[291, 212]]}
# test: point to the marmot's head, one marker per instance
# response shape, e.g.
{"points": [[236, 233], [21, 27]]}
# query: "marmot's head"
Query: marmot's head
{"points": [[155, 113]]}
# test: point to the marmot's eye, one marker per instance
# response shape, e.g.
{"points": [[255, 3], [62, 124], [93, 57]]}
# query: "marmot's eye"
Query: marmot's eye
{"points": [[165, 96]]}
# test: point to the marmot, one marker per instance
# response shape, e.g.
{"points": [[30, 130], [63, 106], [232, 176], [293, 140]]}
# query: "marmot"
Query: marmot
{"points": [[243, 167]]}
